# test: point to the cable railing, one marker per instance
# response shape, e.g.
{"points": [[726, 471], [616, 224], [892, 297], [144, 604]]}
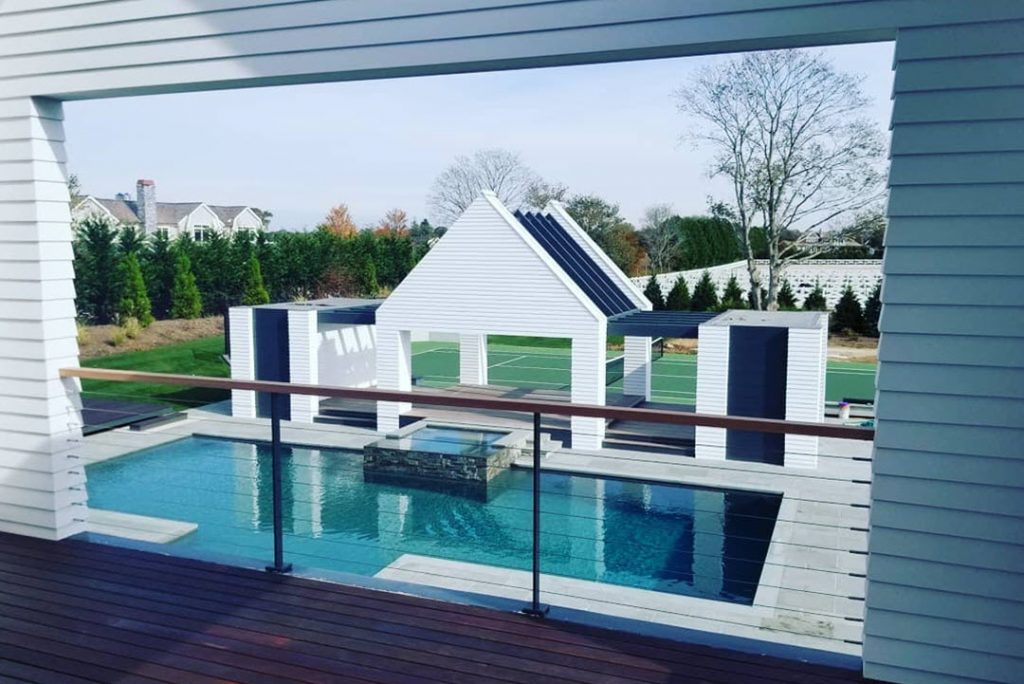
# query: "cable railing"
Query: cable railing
{"points": [[561, 537]]}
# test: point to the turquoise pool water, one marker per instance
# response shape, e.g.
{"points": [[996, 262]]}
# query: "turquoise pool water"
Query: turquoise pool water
{"points": [[447, 440], [683, 540]]}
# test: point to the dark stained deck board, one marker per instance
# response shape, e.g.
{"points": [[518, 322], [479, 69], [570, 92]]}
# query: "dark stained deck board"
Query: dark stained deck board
{"points": [[79, 612]]}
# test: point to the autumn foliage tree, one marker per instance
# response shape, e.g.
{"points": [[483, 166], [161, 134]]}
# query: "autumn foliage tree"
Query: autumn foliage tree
{"points": [[339, 221]]}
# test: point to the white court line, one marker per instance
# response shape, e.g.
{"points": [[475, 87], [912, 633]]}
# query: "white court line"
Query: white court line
{"points": [[506, 361]]}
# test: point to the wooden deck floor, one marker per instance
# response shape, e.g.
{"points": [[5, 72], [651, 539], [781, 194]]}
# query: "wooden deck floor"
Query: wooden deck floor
{"points": [[77, 612]]}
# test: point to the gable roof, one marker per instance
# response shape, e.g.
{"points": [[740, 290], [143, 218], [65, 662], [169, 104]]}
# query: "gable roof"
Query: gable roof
{"points": [[226, 214], [173, 212], [122, 210], [606, 294]]}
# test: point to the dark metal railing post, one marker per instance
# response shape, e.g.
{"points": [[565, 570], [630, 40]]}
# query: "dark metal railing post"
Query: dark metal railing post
{"points": [[276, 401], [535, 609]]}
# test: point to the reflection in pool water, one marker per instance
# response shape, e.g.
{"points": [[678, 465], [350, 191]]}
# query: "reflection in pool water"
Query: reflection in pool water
{"points": [[679, 539]]}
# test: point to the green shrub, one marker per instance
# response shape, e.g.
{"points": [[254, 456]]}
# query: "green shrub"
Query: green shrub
{"points": [[118, 337], [679, 296], [185, 299], [785, 297], [255, 291], [654, 294], [134, 303], [815, 300], [732, 296], [131, 327], [705, 295], [848, 316], [872, 311]]}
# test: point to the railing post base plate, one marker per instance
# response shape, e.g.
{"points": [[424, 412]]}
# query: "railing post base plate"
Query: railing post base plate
{"points": [[283, 570], [538, 612]]}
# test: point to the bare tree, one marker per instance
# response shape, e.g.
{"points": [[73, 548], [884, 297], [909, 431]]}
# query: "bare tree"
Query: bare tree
{"points": [[789, 132], [500, 171], [394, 221], [542, 192], [659, 237]]}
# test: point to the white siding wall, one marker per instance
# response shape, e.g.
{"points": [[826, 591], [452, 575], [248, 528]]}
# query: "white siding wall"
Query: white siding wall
{"points": [[394, 372], [712, 387], [243, 360], [42, 484], [805, 391], [473, 359], [945, 596], [636, 372], [588, 385], [348, 356], [303, 363]]}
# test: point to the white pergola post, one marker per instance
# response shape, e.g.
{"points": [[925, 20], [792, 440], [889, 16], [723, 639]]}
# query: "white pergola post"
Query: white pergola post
{"points": [[473, 359], [394, 372], [712, 389], [42, 483], [243, 360], [636, 377], [807, 356], [588, 387], [303, 363]]}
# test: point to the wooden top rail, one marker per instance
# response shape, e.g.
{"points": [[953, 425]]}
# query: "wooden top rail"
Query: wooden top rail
{"points": [[437, 398]]}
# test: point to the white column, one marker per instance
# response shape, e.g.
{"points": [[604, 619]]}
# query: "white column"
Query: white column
{"points": [[303, 363], [805, 392], [42, 484], [473, 359], [708, 540], [243, 360], [636, 378], [394, 372], [588, 387], [712, 388]]}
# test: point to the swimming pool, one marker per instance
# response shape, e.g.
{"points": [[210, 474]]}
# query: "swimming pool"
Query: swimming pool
{"points": [[679, 539]]}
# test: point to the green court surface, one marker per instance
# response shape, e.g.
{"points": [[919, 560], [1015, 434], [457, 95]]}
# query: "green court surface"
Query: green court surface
{"points": [[673, 379]]}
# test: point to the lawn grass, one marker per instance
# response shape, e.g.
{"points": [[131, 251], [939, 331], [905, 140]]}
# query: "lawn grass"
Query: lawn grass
{"points": [[196, 357]]}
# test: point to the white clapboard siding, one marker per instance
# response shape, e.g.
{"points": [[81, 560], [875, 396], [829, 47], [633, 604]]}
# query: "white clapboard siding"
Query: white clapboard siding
{"points": [[42, 484], [805, 390], [712, 388], [303, 363], [473, 359], [243, 360], [636, 371], [946, 565]]}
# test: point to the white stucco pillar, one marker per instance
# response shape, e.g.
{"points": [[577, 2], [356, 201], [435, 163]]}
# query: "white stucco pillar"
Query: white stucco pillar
{"points": [[588, 387], [712, 388], [303, 363], [636, 377], [708, 541], [473, 359], [805, 391], [243, 360], [42, 483], [394, 372]]}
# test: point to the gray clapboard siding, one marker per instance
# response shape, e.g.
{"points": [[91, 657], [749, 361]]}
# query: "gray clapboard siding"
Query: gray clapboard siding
{"points": [[946, 512]]}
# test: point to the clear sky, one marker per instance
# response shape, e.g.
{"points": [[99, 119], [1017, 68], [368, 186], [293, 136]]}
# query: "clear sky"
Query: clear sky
{"points": [[610, 129]]}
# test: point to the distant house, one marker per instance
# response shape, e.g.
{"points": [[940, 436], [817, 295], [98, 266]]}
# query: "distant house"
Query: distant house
{"points": [[175, 218]]}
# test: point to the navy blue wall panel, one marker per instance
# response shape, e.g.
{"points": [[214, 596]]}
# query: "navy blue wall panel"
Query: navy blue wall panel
{"points": [[270, 339], [757, 388]]}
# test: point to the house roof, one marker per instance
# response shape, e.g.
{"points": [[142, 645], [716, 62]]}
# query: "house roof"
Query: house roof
{"points": [[122, 210], [605, 293], [172, 212], [226, 214]]}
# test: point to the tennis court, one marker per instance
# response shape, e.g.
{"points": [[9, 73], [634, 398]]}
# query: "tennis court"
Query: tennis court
{"points": [[673, 376]]}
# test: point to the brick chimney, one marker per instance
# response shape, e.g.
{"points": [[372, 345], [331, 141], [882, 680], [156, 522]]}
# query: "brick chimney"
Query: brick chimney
{"points": [[145, 198]]}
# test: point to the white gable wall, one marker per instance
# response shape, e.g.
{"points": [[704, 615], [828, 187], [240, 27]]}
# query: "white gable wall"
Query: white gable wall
{"points": [[201, 217], [485, 277]]}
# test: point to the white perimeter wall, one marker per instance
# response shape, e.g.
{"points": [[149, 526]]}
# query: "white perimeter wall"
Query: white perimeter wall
{"points": [[243, 360]]}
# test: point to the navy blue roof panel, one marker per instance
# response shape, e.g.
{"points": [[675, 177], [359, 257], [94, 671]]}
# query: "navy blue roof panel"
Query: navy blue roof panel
{"points": [[660, 323], [567, 253], [365, 314]]}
